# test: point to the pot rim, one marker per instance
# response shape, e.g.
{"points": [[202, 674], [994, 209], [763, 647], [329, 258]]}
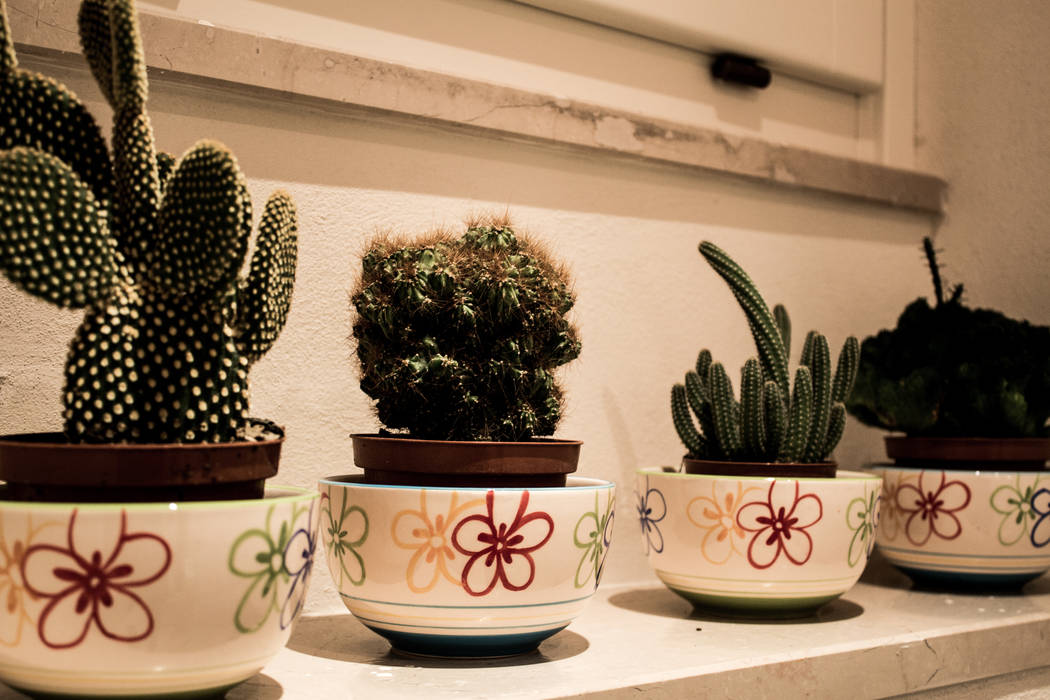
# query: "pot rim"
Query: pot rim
{"points": [[357, 481], [122, 447], [422, 442], [273, 495], [994, 470], [813, 470], [840, 475]]}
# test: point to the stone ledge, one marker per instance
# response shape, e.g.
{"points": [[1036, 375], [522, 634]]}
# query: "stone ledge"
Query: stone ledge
{"points": [[640, 640], [270, 68]]}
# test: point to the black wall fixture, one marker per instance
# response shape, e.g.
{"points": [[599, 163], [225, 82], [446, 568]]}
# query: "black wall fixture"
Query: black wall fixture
{"points": [[741, 70]]}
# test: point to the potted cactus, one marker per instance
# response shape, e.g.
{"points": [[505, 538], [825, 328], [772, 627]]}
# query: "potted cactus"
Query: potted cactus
{"points": [[151, 249], [774, 429], [760, 523], [139, 548], [458, 340], [463, 518], [965, 501]]}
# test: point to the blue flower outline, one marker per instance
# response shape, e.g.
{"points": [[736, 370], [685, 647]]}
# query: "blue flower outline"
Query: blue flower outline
{"points": [[649, 523], [1043, 523], [299, 573]]}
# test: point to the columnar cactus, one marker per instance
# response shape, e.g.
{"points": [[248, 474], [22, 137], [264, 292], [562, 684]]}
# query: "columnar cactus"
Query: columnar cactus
{"points": [[458, 337], [772, 421], [151, 248]]}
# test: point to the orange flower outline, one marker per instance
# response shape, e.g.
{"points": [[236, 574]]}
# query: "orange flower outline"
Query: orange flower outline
{"points": [[719, 525], [13, 593], [431, 541]]}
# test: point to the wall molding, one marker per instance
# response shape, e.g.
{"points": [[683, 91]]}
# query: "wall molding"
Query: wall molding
{"points": [[184, 51]]}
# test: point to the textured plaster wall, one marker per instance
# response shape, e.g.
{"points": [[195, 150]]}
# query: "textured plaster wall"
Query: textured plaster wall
{"points": [[647, 302], [983, 99]]}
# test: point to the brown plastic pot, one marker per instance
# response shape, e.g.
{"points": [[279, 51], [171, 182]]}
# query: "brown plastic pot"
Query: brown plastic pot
{"points": [[1020, 454], [404, 461], [47, 467], [784, 470]]}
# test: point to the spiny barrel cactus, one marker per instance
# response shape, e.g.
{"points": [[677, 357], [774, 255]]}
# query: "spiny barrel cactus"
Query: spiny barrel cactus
{"points": [[151, 248], [772, 421], [458, 337]]}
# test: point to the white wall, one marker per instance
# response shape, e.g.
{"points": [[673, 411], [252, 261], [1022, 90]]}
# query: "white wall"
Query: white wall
{"points": [[647, 302], [984, 124]]}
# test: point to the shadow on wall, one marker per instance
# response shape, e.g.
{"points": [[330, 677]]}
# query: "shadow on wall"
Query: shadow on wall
{"points": [[300, 140]]}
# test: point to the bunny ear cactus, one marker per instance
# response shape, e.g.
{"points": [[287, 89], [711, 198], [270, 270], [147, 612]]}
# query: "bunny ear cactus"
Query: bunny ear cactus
{"points": [[773, 421], [149, 246], [459, 337]]}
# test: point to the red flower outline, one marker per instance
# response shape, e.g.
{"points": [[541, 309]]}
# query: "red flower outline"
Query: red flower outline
{"points": [[501, 543], [929, 506], [94, 587], [776, 521]]}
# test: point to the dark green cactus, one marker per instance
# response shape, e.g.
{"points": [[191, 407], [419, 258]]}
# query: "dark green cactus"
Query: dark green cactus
{"points": [[949, 370], [151, 248], [772, 422], [458, 337]]}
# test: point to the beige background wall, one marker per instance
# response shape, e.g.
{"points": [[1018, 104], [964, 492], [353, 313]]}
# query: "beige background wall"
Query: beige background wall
{"points": [[647, 302], [983, 123]]}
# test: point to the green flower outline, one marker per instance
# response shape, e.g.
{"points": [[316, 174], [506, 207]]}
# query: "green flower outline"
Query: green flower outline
{"points": [[867, 522], [596, 543], [1016, 510], [335, 541], [272, 571]]}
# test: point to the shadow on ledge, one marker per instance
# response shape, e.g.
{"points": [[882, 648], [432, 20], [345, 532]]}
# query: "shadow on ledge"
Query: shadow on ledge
{"points": [[258, 687], [342, 638], [662, 602]]}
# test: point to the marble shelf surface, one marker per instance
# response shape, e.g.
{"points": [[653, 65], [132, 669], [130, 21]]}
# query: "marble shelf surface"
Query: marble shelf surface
{"points": [[639, 640]]}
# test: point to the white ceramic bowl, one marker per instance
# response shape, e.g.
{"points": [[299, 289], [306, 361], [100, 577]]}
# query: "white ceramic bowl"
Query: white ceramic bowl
{"points": [[754, 546], [467, 572], [139, 599], [966, 527]]}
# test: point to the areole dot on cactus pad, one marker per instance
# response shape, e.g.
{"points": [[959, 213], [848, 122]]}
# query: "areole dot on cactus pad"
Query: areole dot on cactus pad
{"points": [[458, 337], [149, 246]]}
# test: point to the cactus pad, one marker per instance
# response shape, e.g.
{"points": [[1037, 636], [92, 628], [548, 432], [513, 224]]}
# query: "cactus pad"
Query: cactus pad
{"points": [[149, 246]]}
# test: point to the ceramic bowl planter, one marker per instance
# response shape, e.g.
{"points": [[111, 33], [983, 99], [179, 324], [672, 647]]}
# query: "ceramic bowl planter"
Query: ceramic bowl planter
{"points": [[466, 572], [757, 546], [141, 599], [966, 513]]}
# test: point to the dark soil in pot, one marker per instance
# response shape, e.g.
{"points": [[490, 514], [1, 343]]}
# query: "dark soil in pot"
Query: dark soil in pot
{"points": [[783, 470], [47, 467], [405, 461]]}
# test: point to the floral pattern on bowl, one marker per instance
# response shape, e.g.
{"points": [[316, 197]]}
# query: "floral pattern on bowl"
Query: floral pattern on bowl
{"points": [[966, 527], [145, 598], [754, 546], [469, 571]]}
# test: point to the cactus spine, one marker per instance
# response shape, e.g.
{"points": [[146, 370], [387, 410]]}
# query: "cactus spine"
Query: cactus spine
{"points": [[149, 247], [772, 422]]}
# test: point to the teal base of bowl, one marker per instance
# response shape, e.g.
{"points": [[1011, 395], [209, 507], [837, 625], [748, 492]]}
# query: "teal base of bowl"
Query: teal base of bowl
{"points": [[736, 607], [962, 582], [465, 647]]}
